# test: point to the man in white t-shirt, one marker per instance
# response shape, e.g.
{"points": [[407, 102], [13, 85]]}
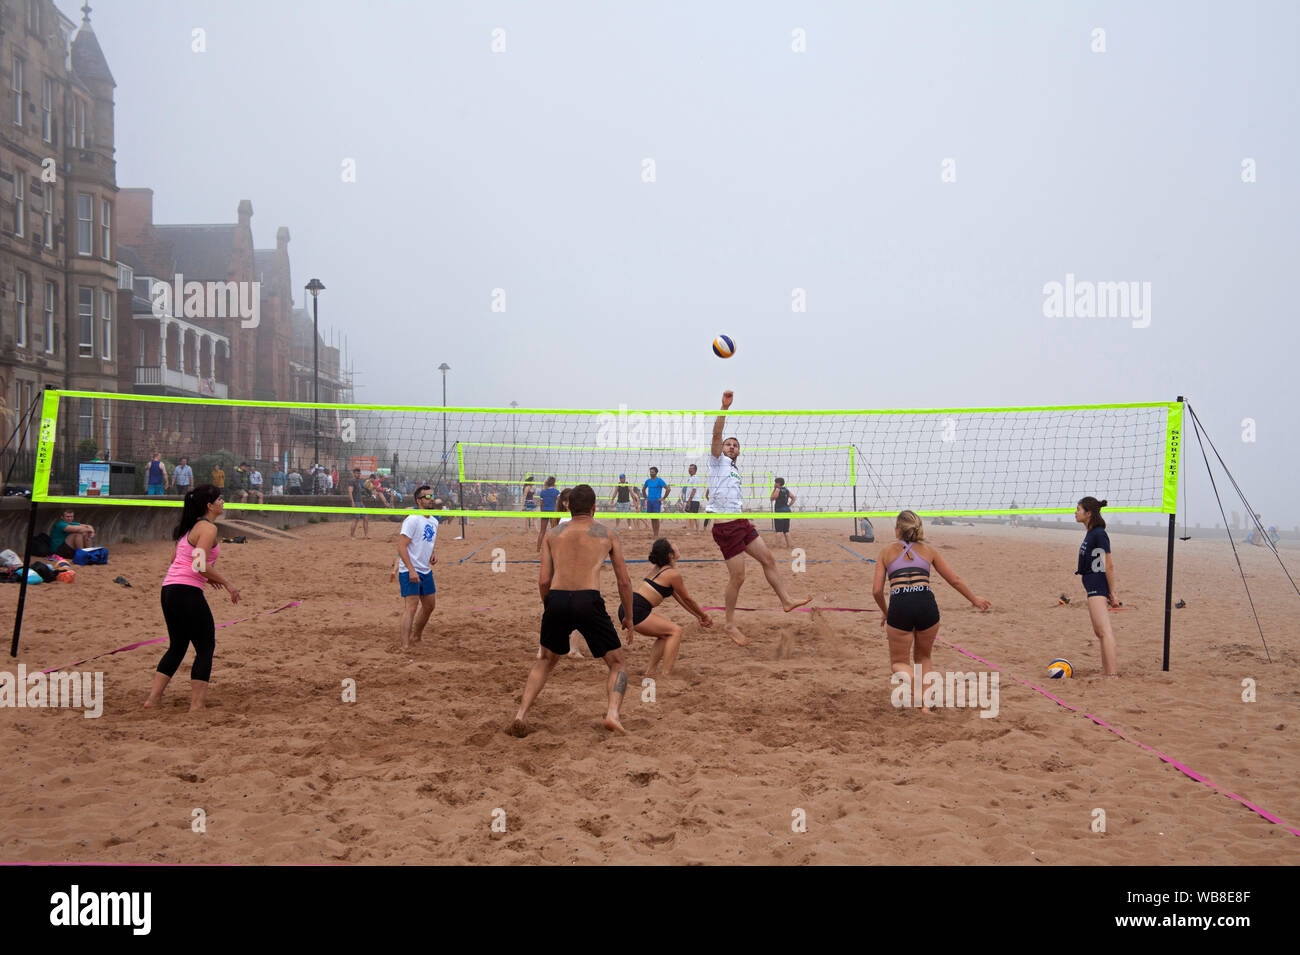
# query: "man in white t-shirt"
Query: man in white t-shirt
{"points": [[737, 536], [691, 497], [415, 560]]}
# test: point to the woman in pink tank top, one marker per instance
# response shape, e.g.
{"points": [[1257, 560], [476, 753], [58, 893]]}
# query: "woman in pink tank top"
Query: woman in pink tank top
{"points": [[189, 619]]}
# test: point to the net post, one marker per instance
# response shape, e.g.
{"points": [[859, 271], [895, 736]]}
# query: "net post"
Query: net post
{"points": [[22, 584], [460, 494], [1169, 554]]}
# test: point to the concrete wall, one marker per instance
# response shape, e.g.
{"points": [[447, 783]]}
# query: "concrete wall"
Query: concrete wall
{"points": [[112, 522]]}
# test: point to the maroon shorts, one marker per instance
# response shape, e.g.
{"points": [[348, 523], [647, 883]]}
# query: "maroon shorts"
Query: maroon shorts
{"points": [[733, 536]]}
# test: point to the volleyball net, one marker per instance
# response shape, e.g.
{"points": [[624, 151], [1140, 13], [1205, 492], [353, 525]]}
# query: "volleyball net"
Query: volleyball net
{"points": [[483, 462]]}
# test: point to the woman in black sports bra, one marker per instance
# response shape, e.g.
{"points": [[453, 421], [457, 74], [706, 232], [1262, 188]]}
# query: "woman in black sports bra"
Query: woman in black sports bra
{"points": [[649, 593]]}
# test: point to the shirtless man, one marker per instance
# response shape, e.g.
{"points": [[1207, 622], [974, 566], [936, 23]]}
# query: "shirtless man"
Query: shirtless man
{"points": [[737, 537], [570, 585]]}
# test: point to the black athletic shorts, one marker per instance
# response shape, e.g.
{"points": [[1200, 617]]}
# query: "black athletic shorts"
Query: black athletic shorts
{"points": [[581, 610], [640, 609], [912, 608], [1096, 585], [692, 507]]}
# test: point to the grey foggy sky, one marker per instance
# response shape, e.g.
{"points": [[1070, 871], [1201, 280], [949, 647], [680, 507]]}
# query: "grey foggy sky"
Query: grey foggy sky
{"points": [[775, 170]]}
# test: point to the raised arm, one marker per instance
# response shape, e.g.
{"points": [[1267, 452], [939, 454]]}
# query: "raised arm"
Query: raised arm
{"points": [[957, 583], [719, 423]]}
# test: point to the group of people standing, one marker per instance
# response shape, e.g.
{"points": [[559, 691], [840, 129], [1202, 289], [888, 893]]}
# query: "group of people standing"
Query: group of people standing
{"points": [[572, 553]]}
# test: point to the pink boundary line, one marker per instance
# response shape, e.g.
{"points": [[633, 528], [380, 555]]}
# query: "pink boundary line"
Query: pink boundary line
{"points": [[231, 623], [1181, 767], [145, 643], [804, 609]]}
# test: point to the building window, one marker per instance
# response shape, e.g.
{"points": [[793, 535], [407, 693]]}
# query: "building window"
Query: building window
{"points": [[79, 133], [86, 420], [49, 318], [16, 86], [86, 322], [85, 224], [24, 393], [20, 300], [106, 317], [20, 204], [34, 16], [105, 230], [106, 432], [47, 216], [47, 110], [125, 277]]}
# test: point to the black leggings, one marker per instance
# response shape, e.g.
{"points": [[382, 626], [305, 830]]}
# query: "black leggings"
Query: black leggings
{"points": [[189, 620]]}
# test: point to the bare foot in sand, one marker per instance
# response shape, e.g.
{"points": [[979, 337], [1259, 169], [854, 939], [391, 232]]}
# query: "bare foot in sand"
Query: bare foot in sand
{"points": [[152, 701], [194, 707], [613, 725], [797, 603], [518, 728], [739, 638]]}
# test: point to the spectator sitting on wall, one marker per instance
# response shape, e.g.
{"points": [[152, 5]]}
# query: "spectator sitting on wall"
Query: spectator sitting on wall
{"points": [[293, 480], [67, 536], [277, 481], [255, 484], [218, 476], [241, 481], [183, 477]]}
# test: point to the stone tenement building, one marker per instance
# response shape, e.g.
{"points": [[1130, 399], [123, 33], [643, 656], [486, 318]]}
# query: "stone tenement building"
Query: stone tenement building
{"points": [[79, 263], [58, 192]]}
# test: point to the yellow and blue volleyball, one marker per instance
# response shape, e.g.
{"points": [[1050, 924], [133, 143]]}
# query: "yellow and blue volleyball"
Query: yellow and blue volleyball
{"points": [[724, 346], [1060, 668]]}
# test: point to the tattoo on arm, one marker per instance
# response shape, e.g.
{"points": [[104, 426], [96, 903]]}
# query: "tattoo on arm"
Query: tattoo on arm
{"points": [[620, 683]]}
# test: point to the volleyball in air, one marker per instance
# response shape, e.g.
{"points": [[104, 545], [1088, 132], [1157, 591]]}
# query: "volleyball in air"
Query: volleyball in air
{"points": [[723, 346], [1060, 668]]}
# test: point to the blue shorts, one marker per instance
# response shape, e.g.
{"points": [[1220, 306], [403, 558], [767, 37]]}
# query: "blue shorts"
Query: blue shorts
{"points": [[155, 489], [623, 507], [653, 507], [1096, 585], [422, 586]]}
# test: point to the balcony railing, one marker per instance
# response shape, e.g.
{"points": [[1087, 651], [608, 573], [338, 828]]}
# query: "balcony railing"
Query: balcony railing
{"points": [[155, 377]]}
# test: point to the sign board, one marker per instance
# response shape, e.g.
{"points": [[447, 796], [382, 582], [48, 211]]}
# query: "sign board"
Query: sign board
{"points": [[92, 479], [366, 465]]}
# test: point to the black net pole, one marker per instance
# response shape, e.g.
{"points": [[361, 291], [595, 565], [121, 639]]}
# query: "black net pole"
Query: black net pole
{"points": [[1169, 568], [22, 584]]}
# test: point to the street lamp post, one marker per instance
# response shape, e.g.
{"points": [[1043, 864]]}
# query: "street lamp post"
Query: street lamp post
{"points": [[315, 287], [444, 368], [513, 472]]}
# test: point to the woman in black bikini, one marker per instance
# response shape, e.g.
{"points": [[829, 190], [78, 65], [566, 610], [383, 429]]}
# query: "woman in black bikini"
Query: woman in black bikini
{"points": [[649, 593]]}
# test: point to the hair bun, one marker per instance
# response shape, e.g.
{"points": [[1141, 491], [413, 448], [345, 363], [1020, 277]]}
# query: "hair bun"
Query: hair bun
{"points": [[1101, 503]]}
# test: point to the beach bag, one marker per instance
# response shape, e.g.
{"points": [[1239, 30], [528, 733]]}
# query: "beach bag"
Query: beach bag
{"points": [[45, 571], [41, 545], [9, 559], [91, 555]]}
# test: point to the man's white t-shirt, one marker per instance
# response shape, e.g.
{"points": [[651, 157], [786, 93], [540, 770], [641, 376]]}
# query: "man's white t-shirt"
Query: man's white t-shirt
{"points": [[422, 531], [725, 495], [689, 484]]}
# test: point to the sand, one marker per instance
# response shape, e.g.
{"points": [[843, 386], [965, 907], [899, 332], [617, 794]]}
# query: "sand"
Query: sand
{"points": [[738, 746]]}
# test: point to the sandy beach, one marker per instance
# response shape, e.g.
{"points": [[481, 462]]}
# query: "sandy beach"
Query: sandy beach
{"points": [[737, 744]]}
